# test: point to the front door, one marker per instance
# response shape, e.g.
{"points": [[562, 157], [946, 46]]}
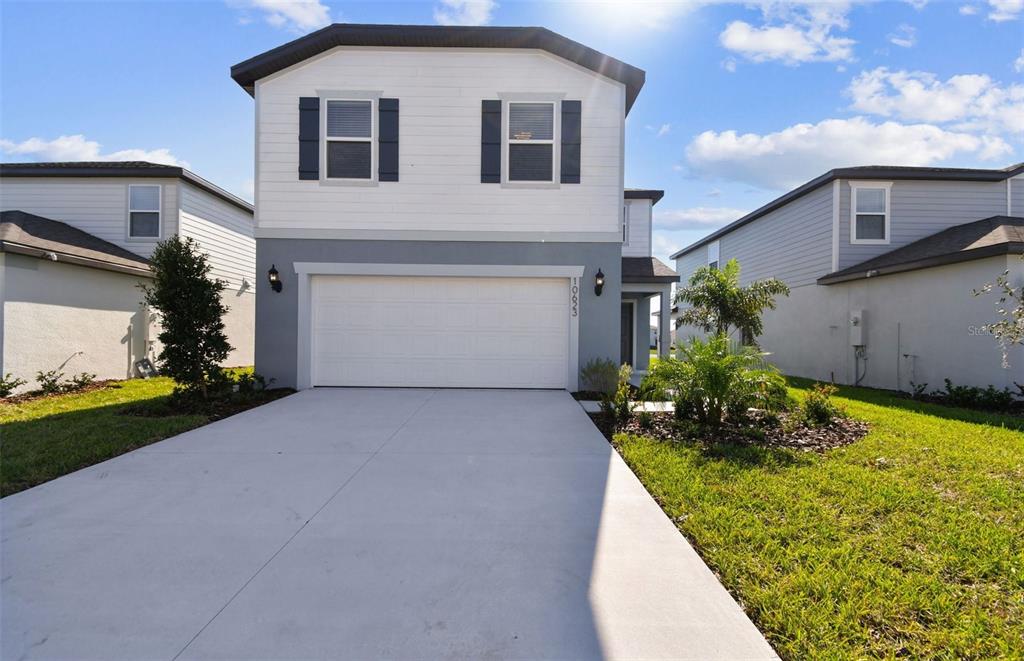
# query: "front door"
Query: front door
{"points": [[627, 342]]}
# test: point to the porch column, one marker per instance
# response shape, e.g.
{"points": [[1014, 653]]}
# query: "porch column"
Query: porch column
{"points": [[665, 322]]}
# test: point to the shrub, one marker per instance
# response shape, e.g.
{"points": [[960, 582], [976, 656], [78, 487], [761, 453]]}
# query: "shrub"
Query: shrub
{"points": [[917, 390], [716, 379], [80, 381], [250, 383], [600, 375], [191, 313], [817, 408], [616, 405], [49, 382], [9, 383], [972, 397], [645, 419]]}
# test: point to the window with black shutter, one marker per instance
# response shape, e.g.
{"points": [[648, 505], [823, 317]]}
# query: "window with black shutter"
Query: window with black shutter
{"points": [[349, 139]]}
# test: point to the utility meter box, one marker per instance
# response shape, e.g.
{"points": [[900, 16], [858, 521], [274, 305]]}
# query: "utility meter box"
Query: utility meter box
{"points": [[857, 333]]}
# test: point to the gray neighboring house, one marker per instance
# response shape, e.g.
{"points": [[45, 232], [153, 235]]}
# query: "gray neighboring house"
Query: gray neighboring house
{"points": [[74, 243], [882, 262], [444, 206]]}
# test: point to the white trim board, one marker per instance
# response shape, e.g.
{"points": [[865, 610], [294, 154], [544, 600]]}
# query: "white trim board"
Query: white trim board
{"points": [[306, 271], [435, 235]]}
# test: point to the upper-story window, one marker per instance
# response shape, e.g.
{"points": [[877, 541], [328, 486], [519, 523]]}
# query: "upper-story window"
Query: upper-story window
{"points": [[625, 224], [713, 254], [143, 211], [869, 222], [531, 142], [349, 139]]}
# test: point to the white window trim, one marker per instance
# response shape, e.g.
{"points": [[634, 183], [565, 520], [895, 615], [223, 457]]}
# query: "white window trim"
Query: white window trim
{"points": [[556, 139], [159, 213], [718, 252], [372, 140], [854, 187]]}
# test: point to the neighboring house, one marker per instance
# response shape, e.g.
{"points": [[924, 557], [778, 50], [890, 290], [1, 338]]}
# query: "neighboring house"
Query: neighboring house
{"points": [[74, 243], [439, 203], [882, 262]]}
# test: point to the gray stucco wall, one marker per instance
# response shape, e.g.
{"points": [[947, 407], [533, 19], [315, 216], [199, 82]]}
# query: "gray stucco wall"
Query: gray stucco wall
{"points": [[277, 313]]}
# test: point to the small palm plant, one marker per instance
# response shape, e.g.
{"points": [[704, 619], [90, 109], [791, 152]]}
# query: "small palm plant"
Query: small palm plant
{"points": [[716, 379]]}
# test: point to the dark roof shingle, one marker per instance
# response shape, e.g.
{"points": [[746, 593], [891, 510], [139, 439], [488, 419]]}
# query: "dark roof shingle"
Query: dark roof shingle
{"points": [[436, 36], [647, 269], [998, 235], [36, 236]]}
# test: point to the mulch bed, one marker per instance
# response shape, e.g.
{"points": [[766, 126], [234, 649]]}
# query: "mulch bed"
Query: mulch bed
{"points": [[213, 409], [37, 394], [663, 426]]}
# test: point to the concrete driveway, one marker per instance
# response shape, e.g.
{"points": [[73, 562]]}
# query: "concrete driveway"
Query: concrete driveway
{"points": [[349, 523]]}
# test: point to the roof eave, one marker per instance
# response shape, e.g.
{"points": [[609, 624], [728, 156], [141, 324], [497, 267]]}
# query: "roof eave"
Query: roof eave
{"points": [[77, 260], [1008, 248]]}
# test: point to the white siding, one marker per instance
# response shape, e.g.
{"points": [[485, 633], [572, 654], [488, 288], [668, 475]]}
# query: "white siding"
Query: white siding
{"points": [[922, 208], [1017, 196], [639, 244], [97, 205], [440, 93], [223, 231]]}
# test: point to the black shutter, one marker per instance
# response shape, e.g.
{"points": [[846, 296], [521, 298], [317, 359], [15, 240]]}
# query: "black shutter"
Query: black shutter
{"points": [[571, 130], [490, 142], [309, 137], [387, 139]]}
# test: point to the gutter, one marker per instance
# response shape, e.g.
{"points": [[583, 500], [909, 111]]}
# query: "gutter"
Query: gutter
{"points": [[1008, 248], [88, 262]]}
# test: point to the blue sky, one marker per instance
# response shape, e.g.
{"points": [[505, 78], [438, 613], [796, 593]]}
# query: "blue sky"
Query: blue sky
{"points": [[743, 100]]}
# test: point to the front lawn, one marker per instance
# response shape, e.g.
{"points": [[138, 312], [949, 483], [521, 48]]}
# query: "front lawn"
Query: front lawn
{"points": [[42, 439], [907, 543]]}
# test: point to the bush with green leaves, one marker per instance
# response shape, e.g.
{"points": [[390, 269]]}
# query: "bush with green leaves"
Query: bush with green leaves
{"points": [[599, 375], [716, 380], [188, 301], [972, 397], [817, 408], [49, 382], [9, 383], [616, 406], [80, 381]]}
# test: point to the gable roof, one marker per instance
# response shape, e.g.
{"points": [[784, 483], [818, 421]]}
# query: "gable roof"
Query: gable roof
{"points": [[998, 235], [35, 236], [644, 194], [436, 36], [134, 169], [888, 172]]}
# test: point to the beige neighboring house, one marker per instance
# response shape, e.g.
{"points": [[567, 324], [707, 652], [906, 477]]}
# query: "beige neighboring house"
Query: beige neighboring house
{"points": [[74, 245]]}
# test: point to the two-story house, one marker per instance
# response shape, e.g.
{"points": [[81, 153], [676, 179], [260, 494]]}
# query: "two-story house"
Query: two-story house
{"points": [[444, 206], [74, 243], [882, 263]]}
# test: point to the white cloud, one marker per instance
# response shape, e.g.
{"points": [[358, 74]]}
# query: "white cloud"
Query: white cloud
{"points": [[968, 10], [917, 4], [664, 130], [729, 64], [696, 218], [294, 15], [1005, 10], [77, 148], [971, 101], [794, 32], [464, 12], [789, 157], [905, 36], [1018, 64]]}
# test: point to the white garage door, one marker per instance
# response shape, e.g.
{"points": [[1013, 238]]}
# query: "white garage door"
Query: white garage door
{"points": [[465, 332]]}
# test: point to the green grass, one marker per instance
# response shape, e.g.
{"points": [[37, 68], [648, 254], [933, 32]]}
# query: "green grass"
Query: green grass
{"points": [[45, 438], [908, 543]]}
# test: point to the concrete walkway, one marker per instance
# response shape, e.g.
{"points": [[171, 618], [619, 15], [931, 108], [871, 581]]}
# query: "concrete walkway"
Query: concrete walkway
{"points": [[350, 523]]}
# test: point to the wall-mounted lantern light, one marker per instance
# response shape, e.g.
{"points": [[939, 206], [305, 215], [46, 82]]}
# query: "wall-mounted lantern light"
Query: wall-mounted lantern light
{"points": [[274, 279], [598, 283]]}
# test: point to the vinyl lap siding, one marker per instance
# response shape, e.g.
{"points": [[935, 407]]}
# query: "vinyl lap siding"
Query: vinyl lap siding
{"points": [[922, 208], [793, 243], [639, 229], [1017, 196], [440, 91], [223, 231], [95, 205]]}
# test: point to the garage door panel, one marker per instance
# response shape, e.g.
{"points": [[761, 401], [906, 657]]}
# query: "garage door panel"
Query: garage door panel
{"points": [[440, 331]]}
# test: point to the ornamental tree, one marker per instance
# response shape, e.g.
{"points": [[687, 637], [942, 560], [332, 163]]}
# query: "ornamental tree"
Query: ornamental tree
{"points": [[191, 313]]}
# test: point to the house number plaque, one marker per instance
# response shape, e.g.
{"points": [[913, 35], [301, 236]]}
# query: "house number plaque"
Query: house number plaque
{"points": [[575, 290]]}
